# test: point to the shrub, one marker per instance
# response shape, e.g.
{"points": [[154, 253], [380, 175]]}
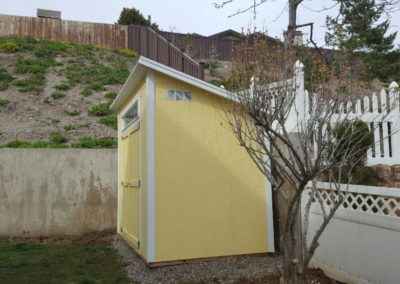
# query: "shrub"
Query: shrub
{"points": [[8, 47], [4, 102], [57, 138], [365, 176], [90, 142], [110, 121], [111, 95], [351, 135], [57, 95], [101, 109]]}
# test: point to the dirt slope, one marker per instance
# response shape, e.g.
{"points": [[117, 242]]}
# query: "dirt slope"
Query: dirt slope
{"points": [[58, 92]]}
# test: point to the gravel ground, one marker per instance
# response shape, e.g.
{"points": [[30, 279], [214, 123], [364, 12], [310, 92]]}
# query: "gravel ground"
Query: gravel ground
{"points": [[238, 269]]}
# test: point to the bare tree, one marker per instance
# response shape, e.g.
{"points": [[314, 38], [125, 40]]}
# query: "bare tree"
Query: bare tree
{"points": [[293, 138]]}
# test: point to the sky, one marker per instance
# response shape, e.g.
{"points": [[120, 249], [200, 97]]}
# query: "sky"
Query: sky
{"points": [[189, 16]]}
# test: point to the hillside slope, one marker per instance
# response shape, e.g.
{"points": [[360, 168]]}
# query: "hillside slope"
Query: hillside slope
{"points": [[57, 94]]}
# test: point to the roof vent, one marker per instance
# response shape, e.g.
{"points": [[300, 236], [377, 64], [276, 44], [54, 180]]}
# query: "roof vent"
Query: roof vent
{"points": [[50, 14]]}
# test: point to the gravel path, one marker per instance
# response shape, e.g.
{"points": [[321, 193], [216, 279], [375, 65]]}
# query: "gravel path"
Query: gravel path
{"points": [[238, 269]]}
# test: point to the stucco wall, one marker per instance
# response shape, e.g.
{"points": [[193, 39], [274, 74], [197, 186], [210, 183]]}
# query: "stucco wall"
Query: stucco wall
{"points": [[45, 192]]}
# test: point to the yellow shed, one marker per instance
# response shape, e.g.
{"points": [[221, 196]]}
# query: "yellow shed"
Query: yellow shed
{"points": [[186, 188]]}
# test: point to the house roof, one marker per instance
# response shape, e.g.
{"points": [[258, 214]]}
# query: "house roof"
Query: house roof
{"points": [[227, 33], [144, 65]]}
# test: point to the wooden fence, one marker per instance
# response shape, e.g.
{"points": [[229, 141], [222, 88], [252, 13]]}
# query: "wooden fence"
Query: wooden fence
{"points": [[143, 40], [149, 43], [104, 35], [201, 47]]}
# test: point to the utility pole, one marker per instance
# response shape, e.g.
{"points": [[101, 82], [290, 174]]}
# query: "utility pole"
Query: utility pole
{"points": [[291, 31]]}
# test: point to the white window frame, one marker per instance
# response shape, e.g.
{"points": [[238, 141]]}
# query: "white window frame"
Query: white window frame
{"points": [[186, 95], [128, 108]]}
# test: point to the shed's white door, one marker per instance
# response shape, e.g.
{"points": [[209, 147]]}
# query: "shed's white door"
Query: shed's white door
{"points": [[130, 182]]}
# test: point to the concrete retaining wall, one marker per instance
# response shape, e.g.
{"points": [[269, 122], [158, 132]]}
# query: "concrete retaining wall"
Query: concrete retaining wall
{"points": [[47, 192]]}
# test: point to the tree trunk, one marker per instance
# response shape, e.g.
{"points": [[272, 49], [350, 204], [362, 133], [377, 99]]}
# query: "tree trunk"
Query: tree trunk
{"points": [[291, 242], [293, 256]]}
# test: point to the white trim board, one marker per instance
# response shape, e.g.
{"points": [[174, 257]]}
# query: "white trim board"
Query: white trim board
{"points": [[269, 210], [144, 65], [151, 179]]}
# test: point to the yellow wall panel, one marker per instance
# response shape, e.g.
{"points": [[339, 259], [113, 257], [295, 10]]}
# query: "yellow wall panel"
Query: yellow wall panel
{"points": [[210, 197]]}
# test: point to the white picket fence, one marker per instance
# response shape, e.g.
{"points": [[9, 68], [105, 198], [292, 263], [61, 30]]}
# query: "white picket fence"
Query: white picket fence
{"points": [[361, 244], [381, 111]]}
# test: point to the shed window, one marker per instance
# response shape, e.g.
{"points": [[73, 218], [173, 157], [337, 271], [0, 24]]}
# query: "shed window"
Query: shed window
{"points": [[131, 115], [179, 95]]}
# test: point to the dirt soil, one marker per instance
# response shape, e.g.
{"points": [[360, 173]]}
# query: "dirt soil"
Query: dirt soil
{"points": [[33, 116], [241, 269]]}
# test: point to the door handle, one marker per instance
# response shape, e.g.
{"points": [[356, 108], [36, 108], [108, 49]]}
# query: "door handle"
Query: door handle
{"points": [[135, 184]]}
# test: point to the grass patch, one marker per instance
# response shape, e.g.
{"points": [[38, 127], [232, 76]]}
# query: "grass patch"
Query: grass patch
{"points": [[37, 69], [90, 142], [5, 79], [4, 102], [101, 109], [34, 83], [127, 52], [57, 95], [23, 263], [55, 142], [33, 65], [90, 66], [110, 121], [95, 76], [33, 144]]}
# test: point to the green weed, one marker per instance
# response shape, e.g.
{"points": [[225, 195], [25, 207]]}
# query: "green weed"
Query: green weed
{"points": [[91, 142], [8, 47], [5, 79], [101, 109], [110, 121], [110, 95], [72, 112], [127, 52], [57, 95], [63, 86], [86, 92], [34, 83], [57, 138], [4, 102]]}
